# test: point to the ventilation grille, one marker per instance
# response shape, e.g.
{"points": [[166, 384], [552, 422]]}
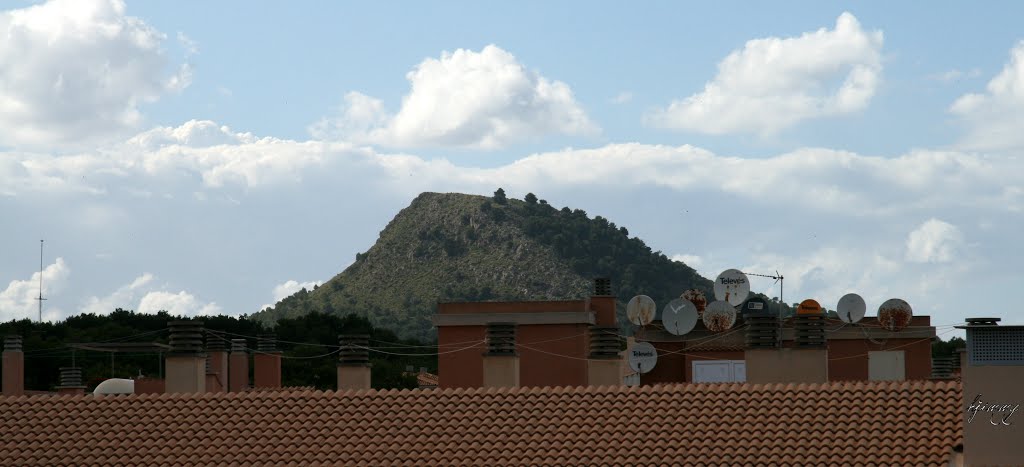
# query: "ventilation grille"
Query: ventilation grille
{"points": [[266, 343], [501, 339], [70, 377], [12, 343], [186, 337], [762, 331], [995, 346], [354, 349], [602, 286], [605, 342], [809, 331]]}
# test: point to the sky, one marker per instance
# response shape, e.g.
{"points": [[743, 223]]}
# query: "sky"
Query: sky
{"points": [[208, 158]]}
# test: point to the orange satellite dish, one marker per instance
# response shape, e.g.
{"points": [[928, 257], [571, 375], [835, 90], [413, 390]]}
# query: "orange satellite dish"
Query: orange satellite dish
{"points": [[809, 307]]}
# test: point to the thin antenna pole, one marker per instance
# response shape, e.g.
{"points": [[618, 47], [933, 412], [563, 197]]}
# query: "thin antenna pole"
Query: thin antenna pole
{"points": [[40, 298]]}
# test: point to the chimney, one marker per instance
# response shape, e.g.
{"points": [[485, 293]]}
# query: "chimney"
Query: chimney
{"points": [[993, 385], [501, 362], [186, 361], [807, 362], [602, 303], [238, 378], [70, 381], [354, 362], [216, 363], [267, 362], [13, 367], [604, 364]]}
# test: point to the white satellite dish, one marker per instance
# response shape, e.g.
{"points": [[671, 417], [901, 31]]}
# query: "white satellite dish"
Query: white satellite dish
{"points": [[732, 286], [679, 316], [641, 310], [115, 386], [642, 357], [851, 308], [719, 316], [895, 314]]}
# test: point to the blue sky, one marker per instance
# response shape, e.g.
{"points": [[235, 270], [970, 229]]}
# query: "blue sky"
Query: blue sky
{"points": [[213, 157]]}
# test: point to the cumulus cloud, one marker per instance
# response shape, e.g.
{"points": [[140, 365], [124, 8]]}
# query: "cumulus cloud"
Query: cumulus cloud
{"points": [[18, 300], [77, 70], [483, 100], [199, 156], [692, 261], [181, 304], [995, 118], [857, 205], [288, 288], [934, 241], [774, 83], [124, 297]]}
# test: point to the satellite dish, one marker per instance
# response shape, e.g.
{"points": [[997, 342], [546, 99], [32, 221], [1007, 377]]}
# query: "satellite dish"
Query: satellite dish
{"points": [[679, 316], [698, 299], [115, 386], [732, 286], [641, 310], [755, 306], [851, 308], [809, 307], [642, 357], [894, 314], [719, 316]]}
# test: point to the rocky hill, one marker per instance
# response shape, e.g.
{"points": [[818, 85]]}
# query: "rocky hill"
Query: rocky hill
{"points": [[465, 247]]}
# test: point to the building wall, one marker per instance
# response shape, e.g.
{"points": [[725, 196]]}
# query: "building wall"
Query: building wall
{"points": [[149, 386], [538, 367], [848, 359], [671, 364]]}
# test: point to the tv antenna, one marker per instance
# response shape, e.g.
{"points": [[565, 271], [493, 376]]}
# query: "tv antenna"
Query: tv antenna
{"points": [[40, 298], [782, 300]]}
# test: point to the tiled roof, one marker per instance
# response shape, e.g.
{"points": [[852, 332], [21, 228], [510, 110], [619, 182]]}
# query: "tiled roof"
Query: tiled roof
{"points": [[885, 423]]}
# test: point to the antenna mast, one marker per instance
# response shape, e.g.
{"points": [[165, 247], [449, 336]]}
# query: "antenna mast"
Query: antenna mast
{"points": [[40, 281]]}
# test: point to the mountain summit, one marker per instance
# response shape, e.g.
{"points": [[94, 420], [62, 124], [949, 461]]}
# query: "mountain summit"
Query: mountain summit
{"points": [[454, 247]]}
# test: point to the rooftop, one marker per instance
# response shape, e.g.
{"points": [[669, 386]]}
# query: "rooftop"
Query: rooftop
{"points": [[909, 422]]}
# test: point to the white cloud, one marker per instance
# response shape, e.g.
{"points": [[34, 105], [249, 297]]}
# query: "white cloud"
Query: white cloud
{"points": [[18, 300], [934, 241], [180, 304], [123, 297], [995, 119], [77, 70], [483, 100], [623, 97], [288, 288], [954, 75], [692, 261], [857, 205], [774, 83]]}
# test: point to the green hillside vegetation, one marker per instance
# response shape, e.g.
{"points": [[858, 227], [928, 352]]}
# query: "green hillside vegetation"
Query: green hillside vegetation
{"points": [[46, 350], [457, 247]]}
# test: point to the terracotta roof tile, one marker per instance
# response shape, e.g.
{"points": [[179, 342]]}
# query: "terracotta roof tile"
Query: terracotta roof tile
{"points": [[915, 423]]}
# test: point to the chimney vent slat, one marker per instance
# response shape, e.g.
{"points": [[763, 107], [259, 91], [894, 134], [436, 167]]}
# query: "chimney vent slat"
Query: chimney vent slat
{"points": [[12, 343], [354, 349]]}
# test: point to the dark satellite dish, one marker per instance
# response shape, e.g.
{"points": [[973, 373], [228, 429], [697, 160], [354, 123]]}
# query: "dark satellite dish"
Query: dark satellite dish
{"points": [[754, 306]]}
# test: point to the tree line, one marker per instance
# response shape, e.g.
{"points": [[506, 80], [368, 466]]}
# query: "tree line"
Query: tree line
{"points": [[46, 347]]}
